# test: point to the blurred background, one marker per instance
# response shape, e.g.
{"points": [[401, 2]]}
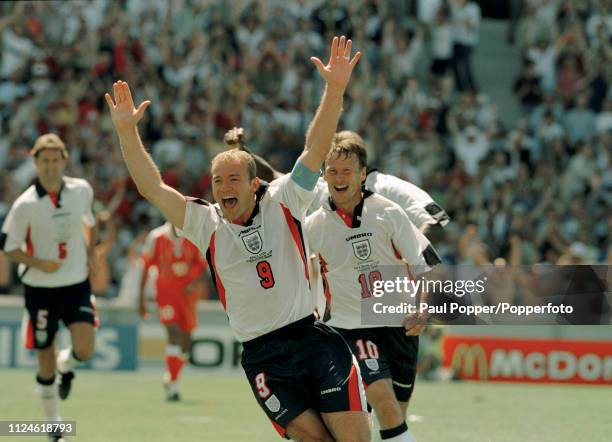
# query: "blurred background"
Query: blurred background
{"points": [[506, 123], [501, 110]]}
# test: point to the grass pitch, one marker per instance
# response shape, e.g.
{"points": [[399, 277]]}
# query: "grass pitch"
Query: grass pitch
{"points": [[131, 407]]}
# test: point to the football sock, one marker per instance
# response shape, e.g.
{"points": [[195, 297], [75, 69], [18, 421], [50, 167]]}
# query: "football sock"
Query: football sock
{"points": [[48, 396], [397, 434], [66, 360], [174, 362]]}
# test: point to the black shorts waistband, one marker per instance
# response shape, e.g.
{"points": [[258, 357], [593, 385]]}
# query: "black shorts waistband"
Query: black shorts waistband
{"points": [[288, 330]]}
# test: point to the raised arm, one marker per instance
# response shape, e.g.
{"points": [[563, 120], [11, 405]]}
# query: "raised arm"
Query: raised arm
{"points": [[143, 170], [336, 74]]}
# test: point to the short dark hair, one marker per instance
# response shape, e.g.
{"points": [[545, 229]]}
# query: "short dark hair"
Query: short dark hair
{"points": [[348, 143]]}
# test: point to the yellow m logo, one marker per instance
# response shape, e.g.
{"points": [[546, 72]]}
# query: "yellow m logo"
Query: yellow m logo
{"points": [[467, 357]]}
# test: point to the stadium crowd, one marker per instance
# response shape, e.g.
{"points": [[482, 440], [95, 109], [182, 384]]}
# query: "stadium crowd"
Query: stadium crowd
{"points": [[538, 190]]}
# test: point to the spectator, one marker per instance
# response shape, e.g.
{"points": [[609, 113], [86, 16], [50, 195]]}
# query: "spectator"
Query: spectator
{"points": [[528, 89], [466, 30]]}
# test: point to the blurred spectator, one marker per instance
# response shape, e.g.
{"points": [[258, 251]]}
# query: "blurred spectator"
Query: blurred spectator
{"points": [[466, 30], [527, 88]]}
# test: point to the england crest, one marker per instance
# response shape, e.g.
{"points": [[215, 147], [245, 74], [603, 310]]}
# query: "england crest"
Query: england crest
{"points": [[253, 242], [362, 249], [372, 364], [273, 404]]}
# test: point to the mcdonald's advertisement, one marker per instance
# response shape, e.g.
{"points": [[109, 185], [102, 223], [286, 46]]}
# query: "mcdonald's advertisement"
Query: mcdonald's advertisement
{"points": [[565, 361]]}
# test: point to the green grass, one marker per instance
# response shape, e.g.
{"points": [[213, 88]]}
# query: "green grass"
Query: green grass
{"points": [[130, 407]]}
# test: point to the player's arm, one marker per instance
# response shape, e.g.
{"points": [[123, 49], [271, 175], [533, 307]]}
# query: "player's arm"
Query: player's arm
{"points": [[147, 259], [420, 207], [13, 236], [415, 250], [142, 302], [90, 229], [91, 236], [143, 170], [336, 74]]}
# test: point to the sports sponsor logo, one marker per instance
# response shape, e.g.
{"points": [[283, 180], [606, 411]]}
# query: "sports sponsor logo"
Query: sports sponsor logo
{"points": [[253, 242], [273, 404], [529, 360], [362, 249], [467, 359], [331, 390], [359, 235]]}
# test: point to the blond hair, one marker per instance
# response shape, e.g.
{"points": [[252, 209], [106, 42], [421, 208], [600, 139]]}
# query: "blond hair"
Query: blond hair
{"points": [[237, 155]]}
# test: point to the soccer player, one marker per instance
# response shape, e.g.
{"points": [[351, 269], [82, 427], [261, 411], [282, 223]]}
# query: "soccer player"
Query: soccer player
{"points": [[422, 210], [302, 373], [45, 233], [179, 266], [357, 235]]}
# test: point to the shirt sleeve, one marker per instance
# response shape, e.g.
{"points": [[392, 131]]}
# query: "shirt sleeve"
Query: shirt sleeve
{"points": [[289, 193], [88, 216], [313, 238], [412, 245], [415, 201], [200, 222], [321, 195], [15, 228]]}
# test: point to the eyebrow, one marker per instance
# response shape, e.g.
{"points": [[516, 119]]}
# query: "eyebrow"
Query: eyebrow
{"points": [[231, 175]]}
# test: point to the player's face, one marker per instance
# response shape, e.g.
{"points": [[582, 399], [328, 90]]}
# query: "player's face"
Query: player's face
{"points": [[50, 165], [344, 178], [232, 189]]}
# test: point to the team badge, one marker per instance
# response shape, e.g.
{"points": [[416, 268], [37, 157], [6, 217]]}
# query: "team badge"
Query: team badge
{"points": [[253, 242], [273, 404], [372, 364], [41, 336], [362, 249]]}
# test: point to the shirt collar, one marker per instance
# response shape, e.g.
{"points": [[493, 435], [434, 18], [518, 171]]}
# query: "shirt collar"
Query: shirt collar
{"points": [[355, 221]]}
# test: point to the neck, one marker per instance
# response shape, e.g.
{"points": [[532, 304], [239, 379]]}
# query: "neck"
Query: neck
{"points": [[349, 206], [51, 186], [246, 215]]}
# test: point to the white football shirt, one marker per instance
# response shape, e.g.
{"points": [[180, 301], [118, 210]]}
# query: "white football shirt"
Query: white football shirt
{"points": [[260, 269], [418, 204], [355, 251], [50, 227]]}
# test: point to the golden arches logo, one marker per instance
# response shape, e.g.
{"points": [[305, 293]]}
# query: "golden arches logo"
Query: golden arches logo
{"points": [[472, 355]]}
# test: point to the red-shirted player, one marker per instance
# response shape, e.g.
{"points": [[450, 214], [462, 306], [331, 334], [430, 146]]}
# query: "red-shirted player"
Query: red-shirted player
{"points": [[179, 265]]}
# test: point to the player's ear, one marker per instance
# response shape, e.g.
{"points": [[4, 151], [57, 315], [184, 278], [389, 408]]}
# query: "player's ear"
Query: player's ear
{"points": [[362, 174], [255, 184]]}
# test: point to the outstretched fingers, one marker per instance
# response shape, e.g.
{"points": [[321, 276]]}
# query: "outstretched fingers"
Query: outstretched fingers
{"points": [[318, 64], [347, 49], [355, 59], [109, 101], [127, 93], [334, 49], [340, 52], [143, 106], [117, 92]]}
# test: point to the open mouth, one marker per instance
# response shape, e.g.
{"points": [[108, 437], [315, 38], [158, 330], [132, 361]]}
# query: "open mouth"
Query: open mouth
{"points": [[229, 202], [341, 189]]}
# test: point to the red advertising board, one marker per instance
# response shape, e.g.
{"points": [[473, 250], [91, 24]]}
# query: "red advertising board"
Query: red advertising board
{"points": [[565, 361]]}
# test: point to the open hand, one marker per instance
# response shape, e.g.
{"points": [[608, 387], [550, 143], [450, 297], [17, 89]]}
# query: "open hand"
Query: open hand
{"points": [[122, 110], [337, 72]]}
